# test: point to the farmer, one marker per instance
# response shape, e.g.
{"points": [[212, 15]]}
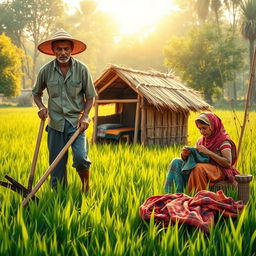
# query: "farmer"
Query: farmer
{"points": [[219, 153], [71, 95]]}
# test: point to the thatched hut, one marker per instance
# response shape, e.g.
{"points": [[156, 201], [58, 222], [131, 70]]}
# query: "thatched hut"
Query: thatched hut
{"points": [[155, 105]]}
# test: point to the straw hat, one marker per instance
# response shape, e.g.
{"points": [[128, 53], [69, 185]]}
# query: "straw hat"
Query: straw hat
{"points": [[46, 46]]}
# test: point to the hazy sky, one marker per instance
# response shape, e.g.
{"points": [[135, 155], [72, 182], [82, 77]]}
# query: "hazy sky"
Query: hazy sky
{"points": [[132, 15]]}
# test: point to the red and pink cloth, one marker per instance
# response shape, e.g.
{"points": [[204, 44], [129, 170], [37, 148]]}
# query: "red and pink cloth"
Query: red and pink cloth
{"points": [[219, 135], [198, 211]]}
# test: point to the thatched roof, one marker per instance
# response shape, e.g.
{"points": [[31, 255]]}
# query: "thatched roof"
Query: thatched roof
{"points": [[160, 89]]}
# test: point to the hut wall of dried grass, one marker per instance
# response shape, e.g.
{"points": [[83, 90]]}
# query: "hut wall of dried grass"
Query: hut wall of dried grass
{"points": [[156, 105]]}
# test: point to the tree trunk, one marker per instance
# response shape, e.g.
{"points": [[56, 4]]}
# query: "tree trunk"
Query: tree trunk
{"points": [[234, 91], [23, 81], [33, 74], [208, 97]]}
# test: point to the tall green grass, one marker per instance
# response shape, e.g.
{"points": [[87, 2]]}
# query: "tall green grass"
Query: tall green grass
{"points": [[106, 222]]}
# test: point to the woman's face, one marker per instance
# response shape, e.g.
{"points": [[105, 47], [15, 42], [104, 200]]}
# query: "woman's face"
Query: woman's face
{"points": [[204, 129]]}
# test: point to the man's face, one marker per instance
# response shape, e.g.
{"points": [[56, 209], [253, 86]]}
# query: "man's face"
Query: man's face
{"points": [[62, 51]]}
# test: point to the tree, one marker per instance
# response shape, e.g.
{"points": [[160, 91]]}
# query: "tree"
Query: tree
{"points": [[221, 12], [203, 7], [248, 29], [31, 20], [10, 67], [97, 29], [203, 59], [233, 11], [42, 17], [13, 20]]}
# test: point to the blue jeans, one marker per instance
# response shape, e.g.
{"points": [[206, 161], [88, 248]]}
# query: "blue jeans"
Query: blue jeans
{"points": [[175, 176], [80, 148]]}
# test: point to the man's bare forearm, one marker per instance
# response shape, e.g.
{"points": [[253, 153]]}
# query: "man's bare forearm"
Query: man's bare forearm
{"points": [[88, 106], [38, 101], [43, 111]]}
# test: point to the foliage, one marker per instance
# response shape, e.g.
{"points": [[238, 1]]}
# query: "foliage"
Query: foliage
{"points": [[204, 59], [248, 30], [106, 222], [10, 63], [42, 17], [204, 6], [223, 13], [31, 19], [13, 20]]}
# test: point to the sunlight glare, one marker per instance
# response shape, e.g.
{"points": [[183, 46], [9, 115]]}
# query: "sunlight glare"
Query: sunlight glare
{"points": [[132, 16], [72, 5], [136, 15]]}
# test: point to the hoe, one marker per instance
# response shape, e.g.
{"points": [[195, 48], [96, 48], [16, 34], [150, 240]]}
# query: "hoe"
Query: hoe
{"points": [[29, 193]]}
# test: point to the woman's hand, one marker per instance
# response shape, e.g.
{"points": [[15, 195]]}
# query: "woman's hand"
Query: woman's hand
{"points": [[185, 152], [224, 160], [203, 149]]}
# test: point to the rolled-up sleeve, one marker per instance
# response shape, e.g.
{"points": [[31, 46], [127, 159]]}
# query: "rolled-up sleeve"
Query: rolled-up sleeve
{"points": [[40, 84]]}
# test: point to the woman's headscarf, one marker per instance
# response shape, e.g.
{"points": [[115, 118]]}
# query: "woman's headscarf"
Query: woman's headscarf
{"points": [[219, 134]]}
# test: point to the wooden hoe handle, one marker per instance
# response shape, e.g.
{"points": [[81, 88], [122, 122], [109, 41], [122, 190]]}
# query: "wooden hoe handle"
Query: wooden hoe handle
{"points": [[38, 142], [51, 168]]}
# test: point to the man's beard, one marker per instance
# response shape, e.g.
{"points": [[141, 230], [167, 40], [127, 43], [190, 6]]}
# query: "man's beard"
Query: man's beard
{"points": [[63, 59]]}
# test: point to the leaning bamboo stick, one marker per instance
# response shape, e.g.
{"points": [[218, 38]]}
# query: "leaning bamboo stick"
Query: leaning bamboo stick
{"points": [[248, 101], [51, 168], [33, 167]]}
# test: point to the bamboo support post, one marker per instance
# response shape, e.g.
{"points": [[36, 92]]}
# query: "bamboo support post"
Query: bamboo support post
{"points": [[95, 123], [116, 101], [248, 101], [137, 119], [143, 122]]}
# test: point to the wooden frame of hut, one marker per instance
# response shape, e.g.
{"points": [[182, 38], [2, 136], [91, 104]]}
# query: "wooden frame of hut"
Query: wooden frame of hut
{"points": [[156, 104]]}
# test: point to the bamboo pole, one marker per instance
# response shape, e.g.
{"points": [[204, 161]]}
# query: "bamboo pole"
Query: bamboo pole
{"points": [[143, 123], [51, 168], [137, 118], [116, 101], [248, 102], [95, 123], [33, 167], [107, 84]]}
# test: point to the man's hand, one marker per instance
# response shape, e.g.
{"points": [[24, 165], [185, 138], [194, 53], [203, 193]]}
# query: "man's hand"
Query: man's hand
{"points": [[83, 123], [43, 113]]}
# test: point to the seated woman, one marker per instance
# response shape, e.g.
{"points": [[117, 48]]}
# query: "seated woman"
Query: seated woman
{"points": [[217, 145]]}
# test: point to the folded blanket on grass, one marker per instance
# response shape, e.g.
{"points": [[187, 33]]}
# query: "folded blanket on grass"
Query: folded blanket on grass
{"points": [[198, 211]]}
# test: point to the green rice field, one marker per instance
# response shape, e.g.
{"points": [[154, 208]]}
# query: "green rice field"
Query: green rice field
{"points": [[106, 221]]}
